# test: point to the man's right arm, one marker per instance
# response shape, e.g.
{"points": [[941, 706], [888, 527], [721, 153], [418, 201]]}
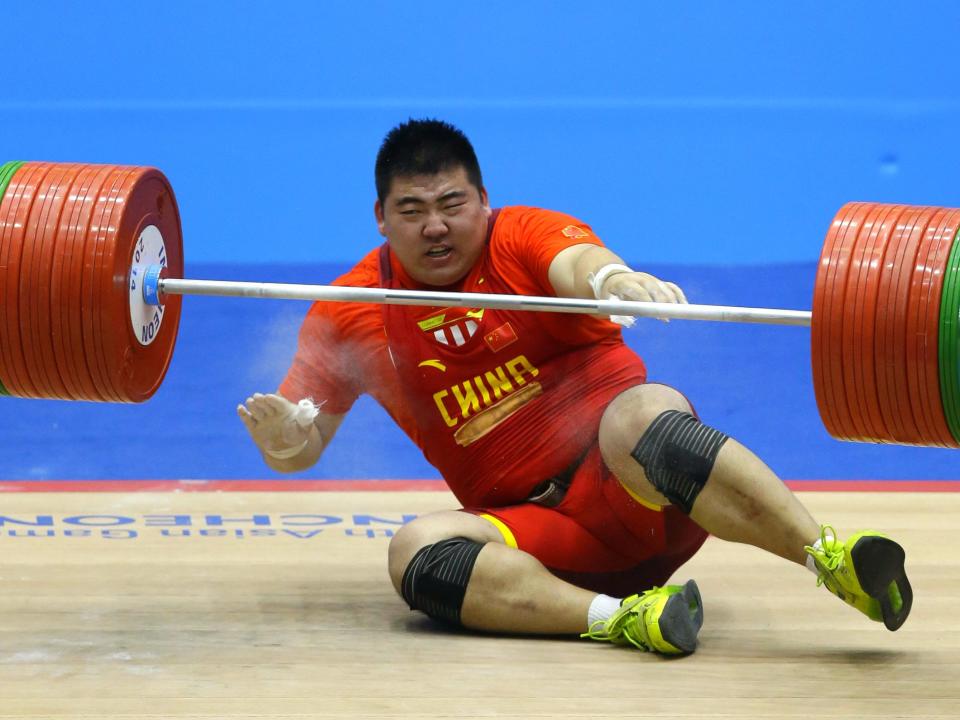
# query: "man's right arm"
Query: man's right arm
{"points": [[331, 365], [286, 444]]}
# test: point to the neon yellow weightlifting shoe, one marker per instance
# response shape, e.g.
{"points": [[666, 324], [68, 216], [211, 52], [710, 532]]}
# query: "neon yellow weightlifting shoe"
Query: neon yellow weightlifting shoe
{"points": [[664, 620], [867, 572]]}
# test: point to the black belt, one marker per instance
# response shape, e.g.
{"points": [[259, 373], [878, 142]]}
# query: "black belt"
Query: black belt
{"points": [[552, 491]]}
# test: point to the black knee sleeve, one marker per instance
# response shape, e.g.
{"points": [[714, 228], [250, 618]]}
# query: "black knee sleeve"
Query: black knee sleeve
{"points": [[436, 579], [677, 453]]}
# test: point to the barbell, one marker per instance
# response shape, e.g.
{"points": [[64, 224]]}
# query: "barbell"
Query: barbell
{"points": [[91, 265]]}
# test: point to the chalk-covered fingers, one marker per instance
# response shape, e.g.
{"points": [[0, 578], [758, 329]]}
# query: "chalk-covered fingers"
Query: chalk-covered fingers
{"points": [[677, 292], [259, 407], [271, 421], [642, 287]]}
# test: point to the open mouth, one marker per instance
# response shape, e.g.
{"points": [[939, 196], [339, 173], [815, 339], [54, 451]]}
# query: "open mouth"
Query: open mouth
{"points": [[439, 251]]}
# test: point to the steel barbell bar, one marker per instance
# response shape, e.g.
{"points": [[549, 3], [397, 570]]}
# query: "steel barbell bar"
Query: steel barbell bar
{"points": [[385, 296]]}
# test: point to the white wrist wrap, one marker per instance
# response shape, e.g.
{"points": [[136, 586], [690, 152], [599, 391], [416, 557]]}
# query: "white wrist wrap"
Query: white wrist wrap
{"points": [[598, 278], [303, 414]]}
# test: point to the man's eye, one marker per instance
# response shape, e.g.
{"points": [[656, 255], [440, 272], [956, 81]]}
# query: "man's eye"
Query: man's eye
{"points": [[454, 207], [409, 212]]}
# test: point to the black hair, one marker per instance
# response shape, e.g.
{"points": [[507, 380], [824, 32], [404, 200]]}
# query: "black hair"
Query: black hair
{"points": [[424, 147]]}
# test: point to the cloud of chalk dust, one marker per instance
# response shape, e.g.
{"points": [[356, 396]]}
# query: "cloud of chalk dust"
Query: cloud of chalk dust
{"points": [[276, 346]]}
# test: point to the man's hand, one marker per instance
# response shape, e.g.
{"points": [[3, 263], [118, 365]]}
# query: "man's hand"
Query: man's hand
{"points": [[640, 286], [277, 426], [592, 271]]}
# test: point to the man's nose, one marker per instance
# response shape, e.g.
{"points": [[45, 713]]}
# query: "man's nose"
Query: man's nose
{"points": [[434, 226]]}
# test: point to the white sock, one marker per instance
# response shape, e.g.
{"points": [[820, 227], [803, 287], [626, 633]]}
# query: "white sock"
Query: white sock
{"points": [[818, 545], [602, 607], [811, 565]]}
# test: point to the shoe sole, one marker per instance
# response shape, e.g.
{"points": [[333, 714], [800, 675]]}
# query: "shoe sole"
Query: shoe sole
{"points": [[878, 562], [682, 618]]}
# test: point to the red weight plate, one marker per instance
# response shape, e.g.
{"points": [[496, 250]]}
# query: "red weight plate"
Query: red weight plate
{"points": [[36, 310], [889, 360], [849, 324], [819, 322], [15, 374], [30, 303], [74, 231], [149, 214], [915, 371], [924, 323], [865, 371], [816, 325], [43, 318], [860, 371], [21, 193], [8, 276], [86, 236], [909, 234], [915, 338], [56, 284], [26, 302], [843, 400], [95, 237], [64, 279], [104, 293], [869, 378], [918, 398], [103, 296], [834, 305], [888, 355], [822, 320]]}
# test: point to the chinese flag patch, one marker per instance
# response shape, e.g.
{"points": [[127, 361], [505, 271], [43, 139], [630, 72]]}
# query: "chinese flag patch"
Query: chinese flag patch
{"points": [[572, 231], [501, 337]]}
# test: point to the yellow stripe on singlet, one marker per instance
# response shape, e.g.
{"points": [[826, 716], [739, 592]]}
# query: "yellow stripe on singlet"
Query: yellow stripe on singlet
{"points": [[645, 503], [508, 537]]}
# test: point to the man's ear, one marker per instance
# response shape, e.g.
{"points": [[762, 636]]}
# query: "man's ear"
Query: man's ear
{"points": [[378, 214], [485, 199]]}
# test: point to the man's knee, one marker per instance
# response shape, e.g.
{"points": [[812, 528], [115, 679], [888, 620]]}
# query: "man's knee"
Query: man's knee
{"points": [[431, 561], [677, 453], [435, 581], [656, 447], [428, 529]]}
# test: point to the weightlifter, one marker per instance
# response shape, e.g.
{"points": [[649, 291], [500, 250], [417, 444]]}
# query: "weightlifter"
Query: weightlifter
{"points": [[584, 488]]}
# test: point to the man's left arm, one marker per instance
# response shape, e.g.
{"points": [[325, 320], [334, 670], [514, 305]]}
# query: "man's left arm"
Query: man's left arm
{"points": [[593, 271]]}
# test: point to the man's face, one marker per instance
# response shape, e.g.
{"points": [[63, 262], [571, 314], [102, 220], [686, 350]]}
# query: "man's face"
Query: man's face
{"points": [[436, 224]]}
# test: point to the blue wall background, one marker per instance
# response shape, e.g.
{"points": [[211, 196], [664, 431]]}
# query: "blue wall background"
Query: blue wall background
{"points": [[713, 141]]}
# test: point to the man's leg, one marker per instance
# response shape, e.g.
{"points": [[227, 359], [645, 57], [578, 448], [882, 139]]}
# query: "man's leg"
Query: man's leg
{"points": [[662, 455], [455, 566], [744, 501], [508, 591]]}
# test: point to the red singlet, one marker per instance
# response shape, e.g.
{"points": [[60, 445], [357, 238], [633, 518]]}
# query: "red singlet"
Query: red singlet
{"points": [[498, 400]]}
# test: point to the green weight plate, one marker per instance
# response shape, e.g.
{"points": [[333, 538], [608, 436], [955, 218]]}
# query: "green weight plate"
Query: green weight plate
{"points": [[7, 171], [949, 340]]}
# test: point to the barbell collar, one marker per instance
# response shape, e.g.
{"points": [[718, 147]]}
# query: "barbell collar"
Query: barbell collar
{"points": [[151, 285]]}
